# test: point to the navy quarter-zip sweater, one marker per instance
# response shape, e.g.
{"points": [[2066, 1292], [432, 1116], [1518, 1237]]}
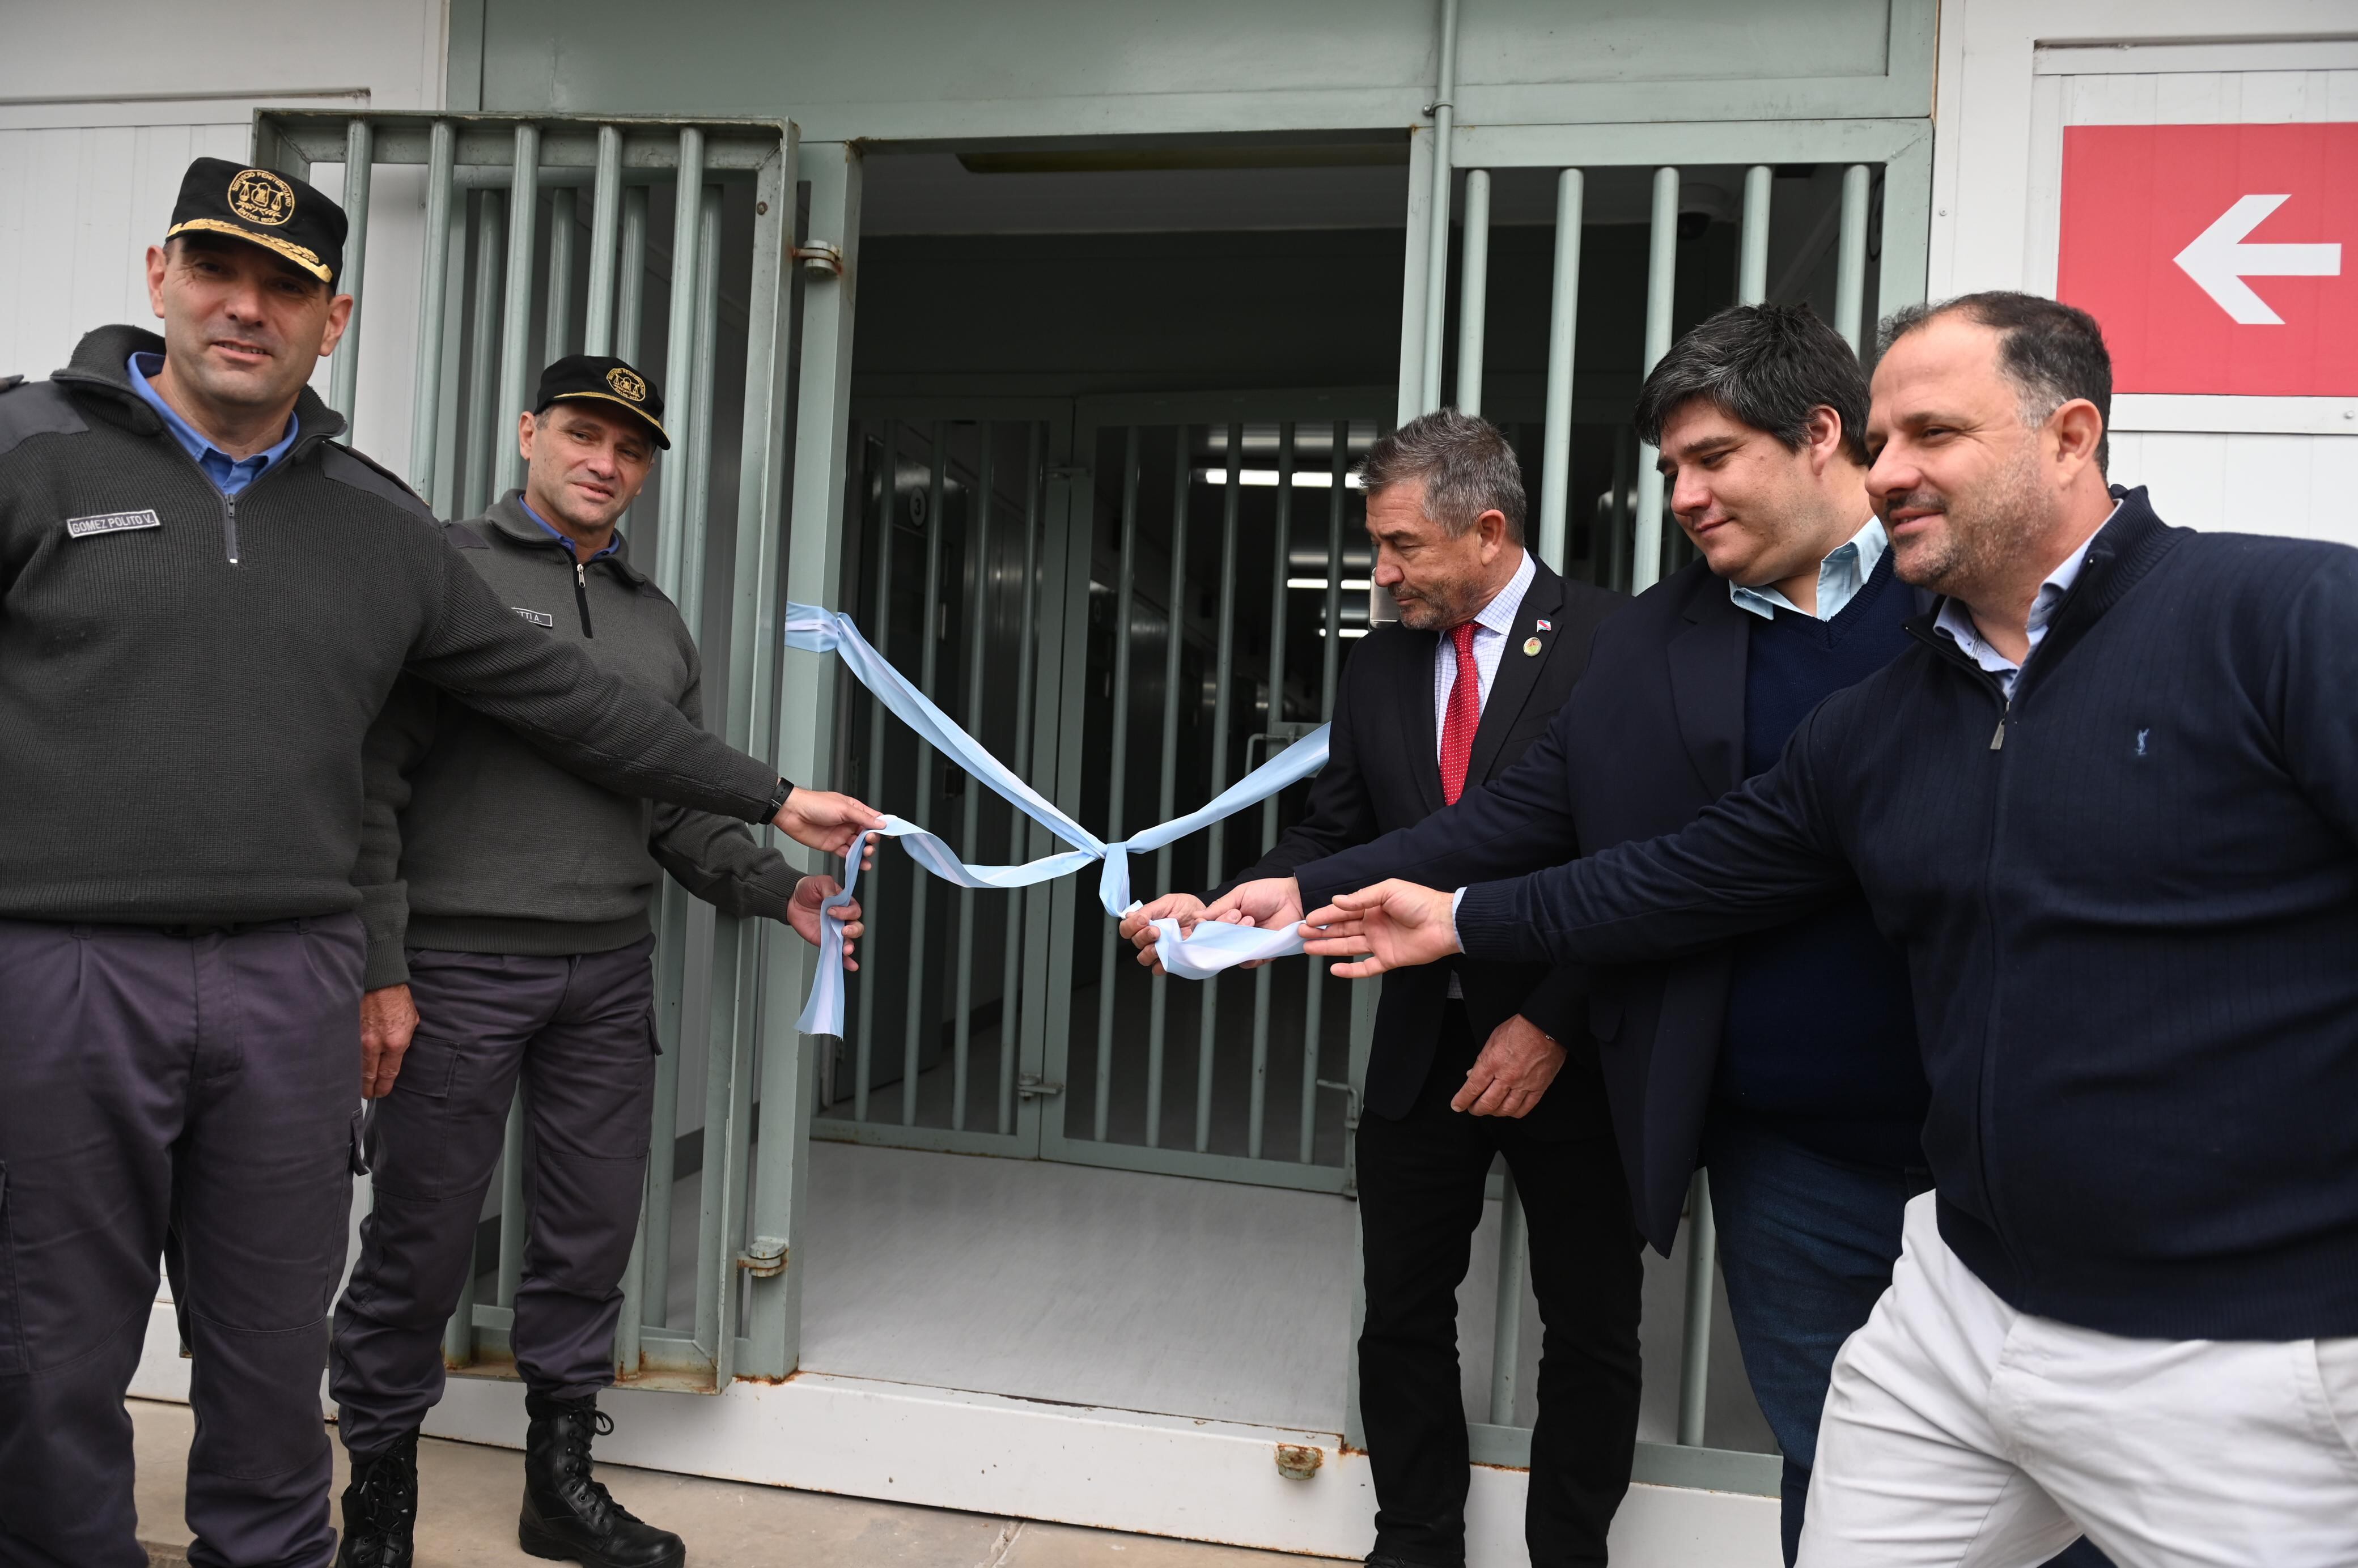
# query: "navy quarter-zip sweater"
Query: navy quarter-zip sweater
{"points": [[2129, 904]]}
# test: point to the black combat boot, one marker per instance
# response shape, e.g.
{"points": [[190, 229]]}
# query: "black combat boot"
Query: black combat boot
{"points": [[381, 1507], [568, 1516]]}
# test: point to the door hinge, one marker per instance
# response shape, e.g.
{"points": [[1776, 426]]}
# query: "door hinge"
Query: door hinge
{"points": [[1028, 1086], [764, 1257]]}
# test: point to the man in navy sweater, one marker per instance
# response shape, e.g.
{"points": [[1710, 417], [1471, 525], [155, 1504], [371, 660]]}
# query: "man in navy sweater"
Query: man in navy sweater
{"points": [[2108, 808]]}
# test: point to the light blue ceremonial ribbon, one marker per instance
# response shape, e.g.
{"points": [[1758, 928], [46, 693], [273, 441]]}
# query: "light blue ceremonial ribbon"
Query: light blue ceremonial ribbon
{"points": [[818, 631]]}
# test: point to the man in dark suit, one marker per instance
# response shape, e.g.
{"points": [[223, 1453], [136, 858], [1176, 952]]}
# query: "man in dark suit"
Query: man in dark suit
{"points": [[1786, 1061], [1476, 1060]]}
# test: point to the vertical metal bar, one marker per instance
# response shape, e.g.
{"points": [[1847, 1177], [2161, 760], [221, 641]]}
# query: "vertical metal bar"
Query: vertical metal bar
{"points": [[1436, 277], [873, 786], [433, 297], [1473, 290], [1018, 828], [1175, 617], [1314, 1001], [1752, 261], [512, 1212], [679, 356], [484, 426], [1662, 279], [696, 523], [344, 375], [1216, 847], [1125, 595], [978, 598], [516, 319], [917, 1023], [1506, 1321], [629, 1328], [557, 334], [1850, 263], [1694, 1345], [605, 222], [631, 275], [1281, 561], [1564, 321], [815, 471]]}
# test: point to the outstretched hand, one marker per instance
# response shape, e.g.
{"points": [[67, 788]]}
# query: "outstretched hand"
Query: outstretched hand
{"points": [[1138, 926], [1391, 926], [807, 911], [829, 822]]}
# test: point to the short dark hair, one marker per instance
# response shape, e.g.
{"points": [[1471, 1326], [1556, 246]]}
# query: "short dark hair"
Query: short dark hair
{"points": [[1762, 365], [2053, 353], [1465, 465]]}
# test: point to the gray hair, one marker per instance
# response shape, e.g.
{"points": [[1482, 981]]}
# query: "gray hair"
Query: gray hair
{"points": [[2050, 350], [1465, 464]]}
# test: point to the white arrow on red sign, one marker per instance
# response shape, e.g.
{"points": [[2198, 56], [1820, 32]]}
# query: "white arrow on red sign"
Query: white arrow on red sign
{"points": [[2218, 261]]}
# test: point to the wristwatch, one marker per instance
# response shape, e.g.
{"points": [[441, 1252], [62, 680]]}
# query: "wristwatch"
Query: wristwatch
{"points": [[778, 801]]}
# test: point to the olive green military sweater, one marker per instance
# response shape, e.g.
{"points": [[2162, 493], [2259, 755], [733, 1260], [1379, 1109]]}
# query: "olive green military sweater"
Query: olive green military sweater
{"points": [[181, 719], [476, 843]]}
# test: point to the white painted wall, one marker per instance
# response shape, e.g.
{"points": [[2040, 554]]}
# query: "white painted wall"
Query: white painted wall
{"points": [[102, 105], [2011, 73]]}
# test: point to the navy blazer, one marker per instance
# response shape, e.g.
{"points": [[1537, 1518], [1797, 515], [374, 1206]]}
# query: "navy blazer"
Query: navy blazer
{"points": [[1383, 773], [1658, 724]]}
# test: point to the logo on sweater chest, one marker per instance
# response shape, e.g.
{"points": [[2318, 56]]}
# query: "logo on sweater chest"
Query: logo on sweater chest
{"points": [[111, 523], [537, 617]]}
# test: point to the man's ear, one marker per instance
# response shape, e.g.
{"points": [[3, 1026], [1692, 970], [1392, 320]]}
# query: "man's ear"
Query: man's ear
{"points": [[157, 263], [2077, 430], [1824, 437], [340, 317], [1492, 526], [525, 426]]}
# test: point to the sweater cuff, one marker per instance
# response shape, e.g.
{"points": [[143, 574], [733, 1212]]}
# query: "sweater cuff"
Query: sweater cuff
{"points": [[384, 920], [1490, 926]]}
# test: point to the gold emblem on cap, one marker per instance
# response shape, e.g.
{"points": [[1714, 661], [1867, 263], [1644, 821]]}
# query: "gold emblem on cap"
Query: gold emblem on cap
{"points": [[627, 384], [1531, 647], [259, 196]]}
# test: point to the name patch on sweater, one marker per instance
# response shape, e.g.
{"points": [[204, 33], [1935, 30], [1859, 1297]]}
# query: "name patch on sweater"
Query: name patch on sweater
{"points": [[536, 617], [110, 522]]}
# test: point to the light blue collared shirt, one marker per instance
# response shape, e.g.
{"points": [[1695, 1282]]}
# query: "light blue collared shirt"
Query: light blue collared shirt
{"points": [[566, 539], [229, 475], [1956, 624], [1840, 577]]}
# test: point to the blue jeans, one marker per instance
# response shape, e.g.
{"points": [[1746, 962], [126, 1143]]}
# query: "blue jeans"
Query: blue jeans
{"points": [[1807, 1244]]}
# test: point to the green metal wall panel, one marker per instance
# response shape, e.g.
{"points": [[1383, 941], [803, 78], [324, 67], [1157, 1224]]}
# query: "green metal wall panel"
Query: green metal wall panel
{"points": [[901, 70]]}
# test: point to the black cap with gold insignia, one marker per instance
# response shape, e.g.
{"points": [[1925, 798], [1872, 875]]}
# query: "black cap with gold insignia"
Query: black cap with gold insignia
{"points": [[277, 212], [604, 379]]}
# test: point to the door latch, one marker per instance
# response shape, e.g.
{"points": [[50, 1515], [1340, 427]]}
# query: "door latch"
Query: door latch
{"points": [[1028, 1086], [764, 1257]]}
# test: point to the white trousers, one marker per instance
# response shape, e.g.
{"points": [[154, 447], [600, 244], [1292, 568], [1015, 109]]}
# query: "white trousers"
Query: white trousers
{"points": [[1961, 1433]]}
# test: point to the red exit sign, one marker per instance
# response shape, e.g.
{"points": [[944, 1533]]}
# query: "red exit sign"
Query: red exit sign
{"points": [[2219, 259]]}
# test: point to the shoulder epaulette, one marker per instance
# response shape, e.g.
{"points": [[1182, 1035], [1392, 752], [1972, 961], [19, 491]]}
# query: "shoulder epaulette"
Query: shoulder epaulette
{"points": [[347, 466], [36, 408]]}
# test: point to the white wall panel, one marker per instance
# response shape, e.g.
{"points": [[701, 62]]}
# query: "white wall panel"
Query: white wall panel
{"points": [[2005, 94]]}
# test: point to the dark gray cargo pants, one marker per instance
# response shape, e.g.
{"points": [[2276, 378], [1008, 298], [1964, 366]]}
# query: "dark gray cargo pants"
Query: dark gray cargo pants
{"points": [[207, 1081], [581, 1031]]}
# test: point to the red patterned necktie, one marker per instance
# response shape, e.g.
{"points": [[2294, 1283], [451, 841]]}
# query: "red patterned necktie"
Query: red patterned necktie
{"points": [[1465, 715]]}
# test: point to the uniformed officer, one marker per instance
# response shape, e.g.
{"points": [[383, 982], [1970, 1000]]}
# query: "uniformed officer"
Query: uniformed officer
{"points": [[204, 602], [521, 894]]}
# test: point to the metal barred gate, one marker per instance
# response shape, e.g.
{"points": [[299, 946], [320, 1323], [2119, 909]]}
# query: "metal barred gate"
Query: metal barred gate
{"points": [[1131, 601], [542, 235]]}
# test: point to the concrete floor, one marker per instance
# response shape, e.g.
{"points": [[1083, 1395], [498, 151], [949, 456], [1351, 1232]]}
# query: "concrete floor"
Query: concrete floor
{"points": [[468, 1507]]}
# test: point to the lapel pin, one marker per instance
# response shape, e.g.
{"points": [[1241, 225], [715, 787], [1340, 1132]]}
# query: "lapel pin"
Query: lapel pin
{"points": [[1547, 625], [1531, 646]]}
